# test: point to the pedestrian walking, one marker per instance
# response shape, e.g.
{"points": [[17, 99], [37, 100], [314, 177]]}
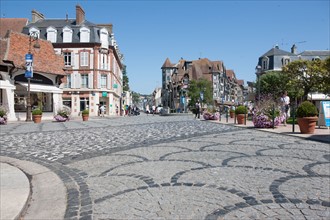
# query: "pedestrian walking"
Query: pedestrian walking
{"points": [[102, 110], [153, 109], [198, 109], [285, 102]]}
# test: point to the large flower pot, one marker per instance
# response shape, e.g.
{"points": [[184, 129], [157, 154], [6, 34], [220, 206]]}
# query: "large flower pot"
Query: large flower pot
{"points": [[36, 118], [232, 114], [240, 119], [307, 124], [85, 117]]}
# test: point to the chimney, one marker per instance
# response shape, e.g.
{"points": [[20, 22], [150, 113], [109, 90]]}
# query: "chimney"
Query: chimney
{"points": [[294, 49], [36, 16], [80, 15]]}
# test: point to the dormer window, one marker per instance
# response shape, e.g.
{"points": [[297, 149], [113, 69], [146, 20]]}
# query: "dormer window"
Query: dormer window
{"points": [[104, 38], [264, 63], [67, 35], [316, 58], [84, 34], [51, 34], [34, 32], [285, 61]]}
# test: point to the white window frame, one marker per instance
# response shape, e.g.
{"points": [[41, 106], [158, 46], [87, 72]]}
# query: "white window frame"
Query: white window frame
{"points": [[51, 34], [84, 61], [68, 58], [35, 31], [67, 34], [104, 38], [103, 82], [84, 35], [265, 63], [84, 81]]}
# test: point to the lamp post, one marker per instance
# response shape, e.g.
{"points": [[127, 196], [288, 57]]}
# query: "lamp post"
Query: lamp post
{"points": [[29, 71], [258, 72]]}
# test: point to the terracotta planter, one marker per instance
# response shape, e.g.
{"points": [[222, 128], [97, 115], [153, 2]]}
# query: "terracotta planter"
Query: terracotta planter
{"points": [[85, 117], [307, 124], [240, 119], [36, 118], [232, 114]]}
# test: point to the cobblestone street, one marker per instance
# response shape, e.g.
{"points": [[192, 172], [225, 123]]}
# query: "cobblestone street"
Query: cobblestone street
{"points": [[176, 167]]}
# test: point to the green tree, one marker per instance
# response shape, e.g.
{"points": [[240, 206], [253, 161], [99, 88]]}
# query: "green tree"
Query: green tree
{"points": [[306, 76], [125, 79], [274, 83], [325, 84], [135, 98], [196, 87]]}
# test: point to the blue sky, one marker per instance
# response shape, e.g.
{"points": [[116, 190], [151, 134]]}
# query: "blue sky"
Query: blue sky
{"points": [[236, 32]]}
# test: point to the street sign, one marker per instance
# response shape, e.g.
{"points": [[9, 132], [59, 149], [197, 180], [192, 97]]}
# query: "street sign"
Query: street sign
{"points": [[201, 95], [29, 65]]}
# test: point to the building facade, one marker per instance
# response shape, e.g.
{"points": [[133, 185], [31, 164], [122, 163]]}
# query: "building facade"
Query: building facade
{"points": [[275, 59], [92, 61], [176, 78], [44, 85]]}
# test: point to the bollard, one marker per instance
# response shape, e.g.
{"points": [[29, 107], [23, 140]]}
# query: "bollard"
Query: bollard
{"points": [[273, 116], [226, 115], [293, 118], [245, 118]]}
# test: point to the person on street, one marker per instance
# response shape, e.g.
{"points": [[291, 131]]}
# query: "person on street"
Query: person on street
{"points": [[102, 110], [198, 109], [285, 101]]}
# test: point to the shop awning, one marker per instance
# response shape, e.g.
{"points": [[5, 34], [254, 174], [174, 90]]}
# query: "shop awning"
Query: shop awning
{"points": [[41, 88]]}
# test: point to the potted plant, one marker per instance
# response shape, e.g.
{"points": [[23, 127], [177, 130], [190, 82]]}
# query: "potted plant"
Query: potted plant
{"points": [[36, 115], [232, 113], [3, 115], [307, 117], [240, 112], [85, 114], [63, 114]]}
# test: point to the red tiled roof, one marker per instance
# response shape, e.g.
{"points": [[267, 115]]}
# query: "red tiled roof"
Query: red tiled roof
{"points": [[240, 82], [3, 49], [230, 74], [167, 63], [44, 61], [14, 24]]}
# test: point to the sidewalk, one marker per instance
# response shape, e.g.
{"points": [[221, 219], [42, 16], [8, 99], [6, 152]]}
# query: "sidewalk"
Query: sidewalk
{"points": [[321, 134], [49, 192]]}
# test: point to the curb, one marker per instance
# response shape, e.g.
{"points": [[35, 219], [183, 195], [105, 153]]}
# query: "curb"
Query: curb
{"points": [[47, 198]]}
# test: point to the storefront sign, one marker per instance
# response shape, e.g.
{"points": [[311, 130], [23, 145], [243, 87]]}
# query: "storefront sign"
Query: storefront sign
{"points": [[29, 65], [104, 94], [37, 78], [324, 115], [115, 86]]}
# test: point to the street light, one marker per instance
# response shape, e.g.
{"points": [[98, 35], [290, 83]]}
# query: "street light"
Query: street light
{"points": [[29, 70], [258, 72]]}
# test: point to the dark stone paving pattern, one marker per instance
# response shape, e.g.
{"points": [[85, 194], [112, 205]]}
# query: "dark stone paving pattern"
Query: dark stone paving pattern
{"points": [[151, 167]]}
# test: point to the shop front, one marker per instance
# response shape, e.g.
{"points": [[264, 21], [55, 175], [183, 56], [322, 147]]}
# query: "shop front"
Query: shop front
{"points": [[43, 95]]}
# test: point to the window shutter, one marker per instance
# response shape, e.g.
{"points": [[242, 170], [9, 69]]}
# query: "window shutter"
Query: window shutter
{"points": [[73, 80], [108, 81], [98, 80], [78, 80], [90, 80], [72, 59]]}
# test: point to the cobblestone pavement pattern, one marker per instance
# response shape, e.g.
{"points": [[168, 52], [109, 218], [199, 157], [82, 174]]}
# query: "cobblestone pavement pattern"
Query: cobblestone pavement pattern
{"points": [[152, 167]]}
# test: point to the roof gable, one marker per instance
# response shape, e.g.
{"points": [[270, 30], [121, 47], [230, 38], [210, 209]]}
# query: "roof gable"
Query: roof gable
{"points": [[44, 61], [14, 24]]}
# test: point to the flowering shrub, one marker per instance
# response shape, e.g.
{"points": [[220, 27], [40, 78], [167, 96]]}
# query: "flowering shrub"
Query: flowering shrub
{"points": [[209, 116], [63, 114], [3, 115], [264, 113]]}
